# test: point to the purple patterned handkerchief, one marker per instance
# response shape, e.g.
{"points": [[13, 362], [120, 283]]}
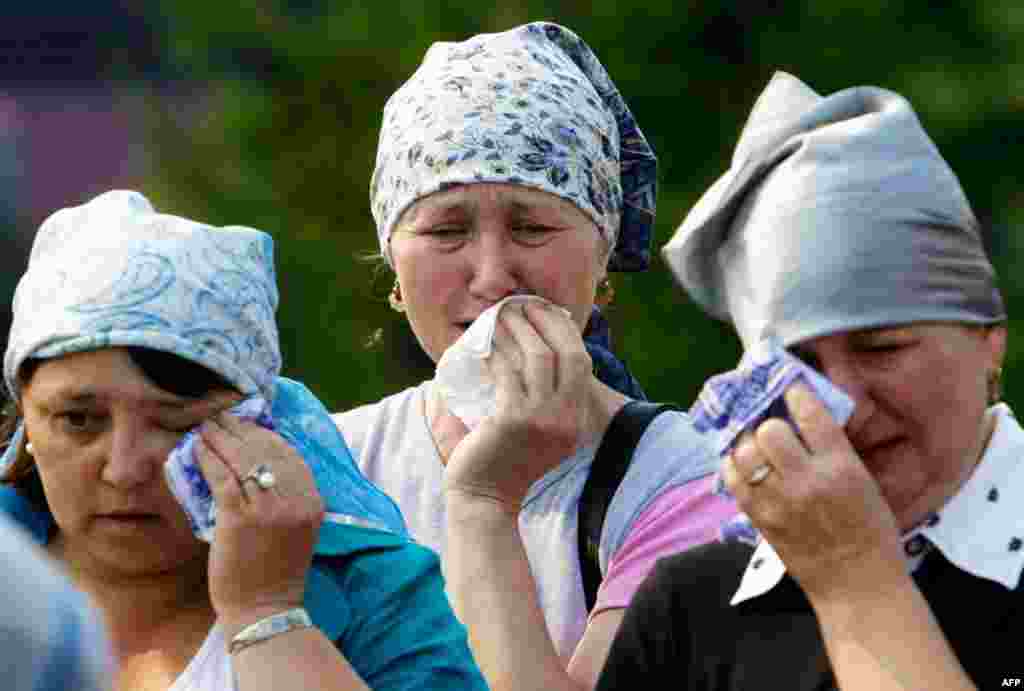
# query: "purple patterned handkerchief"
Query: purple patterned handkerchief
{"points": [[741, 399]]}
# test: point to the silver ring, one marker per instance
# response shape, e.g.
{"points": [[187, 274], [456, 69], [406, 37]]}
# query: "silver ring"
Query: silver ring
{"points": [[262, 475], [760, 473]]}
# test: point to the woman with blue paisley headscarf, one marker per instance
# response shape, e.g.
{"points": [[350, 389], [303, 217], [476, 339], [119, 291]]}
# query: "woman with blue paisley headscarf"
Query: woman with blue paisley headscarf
{"points": [[208, 507], [509, 165]]}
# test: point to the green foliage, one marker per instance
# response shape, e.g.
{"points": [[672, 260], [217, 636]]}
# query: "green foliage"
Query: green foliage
{"points": [[284, 100]]}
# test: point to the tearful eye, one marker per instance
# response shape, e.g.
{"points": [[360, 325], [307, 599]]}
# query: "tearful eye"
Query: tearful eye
{"points": [[446, 237], [76, 420], [884, 347], [533, 235], [445, 232]]}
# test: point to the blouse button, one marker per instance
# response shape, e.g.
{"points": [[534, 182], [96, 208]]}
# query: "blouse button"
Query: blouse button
{"points": [[1016, 544], [993, 494], [915, 545]]}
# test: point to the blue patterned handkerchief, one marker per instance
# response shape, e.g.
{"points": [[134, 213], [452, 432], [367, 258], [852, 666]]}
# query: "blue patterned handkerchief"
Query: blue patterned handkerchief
{"points": [[186, 480], [301, 420], [741, 399]]}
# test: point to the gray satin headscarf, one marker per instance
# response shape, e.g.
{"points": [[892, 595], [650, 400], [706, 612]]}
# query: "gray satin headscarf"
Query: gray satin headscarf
{"points": [[837, 213]]}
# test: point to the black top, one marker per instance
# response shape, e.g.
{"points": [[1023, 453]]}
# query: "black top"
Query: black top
{"points": [[680, 631]]}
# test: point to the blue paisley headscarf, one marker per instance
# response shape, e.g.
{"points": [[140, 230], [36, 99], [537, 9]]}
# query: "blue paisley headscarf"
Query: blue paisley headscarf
{"points": [[114, 272], [531, 106]]}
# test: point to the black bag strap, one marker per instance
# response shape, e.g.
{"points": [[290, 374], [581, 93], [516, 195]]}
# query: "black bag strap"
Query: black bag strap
{"points": [[611, 461]]}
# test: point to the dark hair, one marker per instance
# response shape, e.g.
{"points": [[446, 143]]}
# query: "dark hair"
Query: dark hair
{"points": [[167, 371]]}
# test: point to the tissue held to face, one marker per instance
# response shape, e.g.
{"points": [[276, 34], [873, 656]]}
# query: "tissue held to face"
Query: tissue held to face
{"points": [[921, 393], [459, 251]]}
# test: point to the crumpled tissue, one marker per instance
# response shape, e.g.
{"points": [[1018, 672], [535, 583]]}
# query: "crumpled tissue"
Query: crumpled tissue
{"points": [[462, 377]]}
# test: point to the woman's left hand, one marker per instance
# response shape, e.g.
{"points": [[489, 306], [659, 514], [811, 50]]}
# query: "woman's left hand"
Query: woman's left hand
{"points": [[541, 371], [264, 539], [818, 505]]}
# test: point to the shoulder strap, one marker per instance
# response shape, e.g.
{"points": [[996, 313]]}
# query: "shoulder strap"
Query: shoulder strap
{"points": [[611, 461]]}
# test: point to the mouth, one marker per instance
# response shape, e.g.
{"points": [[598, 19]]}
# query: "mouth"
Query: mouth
{"points": [[872, 452], [129, 517]]}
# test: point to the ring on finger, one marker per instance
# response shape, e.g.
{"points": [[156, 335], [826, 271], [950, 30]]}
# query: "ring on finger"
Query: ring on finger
{"points": [[760, 474], [262, 475]]}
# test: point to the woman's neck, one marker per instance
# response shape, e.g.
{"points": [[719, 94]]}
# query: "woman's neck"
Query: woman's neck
{"points": [[916, 515], [143, 612]]}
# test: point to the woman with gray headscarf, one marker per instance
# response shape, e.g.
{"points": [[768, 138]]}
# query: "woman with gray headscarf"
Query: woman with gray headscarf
{"points": [[208, 506], [886, 553], [509, 167]]}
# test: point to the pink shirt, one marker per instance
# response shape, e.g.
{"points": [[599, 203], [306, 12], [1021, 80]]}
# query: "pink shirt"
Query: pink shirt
{"points": [[681, 517]]}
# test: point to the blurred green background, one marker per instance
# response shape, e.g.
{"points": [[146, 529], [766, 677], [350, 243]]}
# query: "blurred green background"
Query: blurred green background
{"points": [[266, 114]]}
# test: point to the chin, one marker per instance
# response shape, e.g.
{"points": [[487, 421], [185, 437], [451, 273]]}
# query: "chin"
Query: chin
{"points": [[911, 507]]}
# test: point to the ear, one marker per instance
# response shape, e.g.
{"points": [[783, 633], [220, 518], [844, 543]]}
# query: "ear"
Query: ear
{"points": [[995, 339]]}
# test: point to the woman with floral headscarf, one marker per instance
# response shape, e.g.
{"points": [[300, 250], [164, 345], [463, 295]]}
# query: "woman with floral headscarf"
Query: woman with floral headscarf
{"points": [[886, 548], [509, 166], [208, 506]]}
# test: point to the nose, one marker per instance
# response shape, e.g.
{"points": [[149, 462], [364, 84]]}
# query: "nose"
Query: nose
{"points": [[846, 375], [134, 455], [494, 266]]}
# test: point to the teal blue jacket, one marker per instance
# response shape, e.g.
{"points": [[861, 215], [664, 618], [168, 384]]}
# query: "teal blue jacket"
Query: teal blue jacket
{"points": [[378, 595], [371, 589]]}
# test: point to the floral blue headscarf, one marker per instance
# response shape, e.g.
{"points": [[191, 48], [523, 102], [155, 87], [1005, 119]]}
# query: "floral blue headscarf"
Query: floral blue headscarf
{"points": [[532, 106]]}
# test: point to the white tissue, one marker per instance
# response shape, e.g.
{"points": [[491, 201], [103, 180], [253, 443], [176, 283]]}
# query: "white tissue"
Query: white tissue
{"points": [[462, 377]]}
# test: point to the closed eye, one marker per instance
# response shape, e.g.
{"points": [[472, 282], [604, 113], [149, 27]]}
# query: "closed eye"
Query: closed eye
{"points": [[533, 234], [446, 237], [884, 346]]}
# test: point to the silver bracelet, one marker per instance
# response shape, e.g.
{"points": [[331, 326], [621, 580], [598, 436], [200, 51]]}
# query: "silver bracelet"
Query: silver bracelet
{"points": [[268, 627]]}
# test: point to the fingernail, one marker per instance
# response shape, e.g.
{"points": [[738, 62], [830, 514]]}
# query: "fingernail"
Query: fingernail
{"points": [[797, 394]]}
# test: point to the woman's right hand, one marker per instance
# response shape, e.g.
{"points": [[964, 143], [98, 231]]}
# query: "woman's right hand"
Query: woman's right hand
{"points": [[264, 539], [541, 371], [819, 507]]}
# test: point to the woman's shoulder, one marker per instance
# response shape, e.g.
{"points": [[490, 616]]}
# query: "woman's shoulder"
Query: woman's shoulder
{"points": [[717, 565], [387, 565], [380, 416], [670, 453], [397, 622], [673, 432]]}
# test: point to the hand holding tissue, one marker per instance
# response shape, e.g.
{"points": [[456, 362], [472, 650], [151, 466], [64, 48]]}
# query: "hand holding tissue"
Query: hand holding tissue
{"points": [[462, 377]]}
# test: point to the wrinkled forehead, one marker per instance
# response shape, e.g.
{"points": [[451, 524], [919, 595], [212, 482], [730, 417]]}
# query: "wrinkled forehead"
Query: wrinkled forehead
{"points": [[481, 198]]}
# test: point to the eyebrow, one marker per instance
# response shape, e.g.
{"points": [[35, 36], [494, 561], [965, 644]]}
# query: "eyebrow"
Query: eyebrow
{"points": [[436, 209], [507, 197], [87, 398]]}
